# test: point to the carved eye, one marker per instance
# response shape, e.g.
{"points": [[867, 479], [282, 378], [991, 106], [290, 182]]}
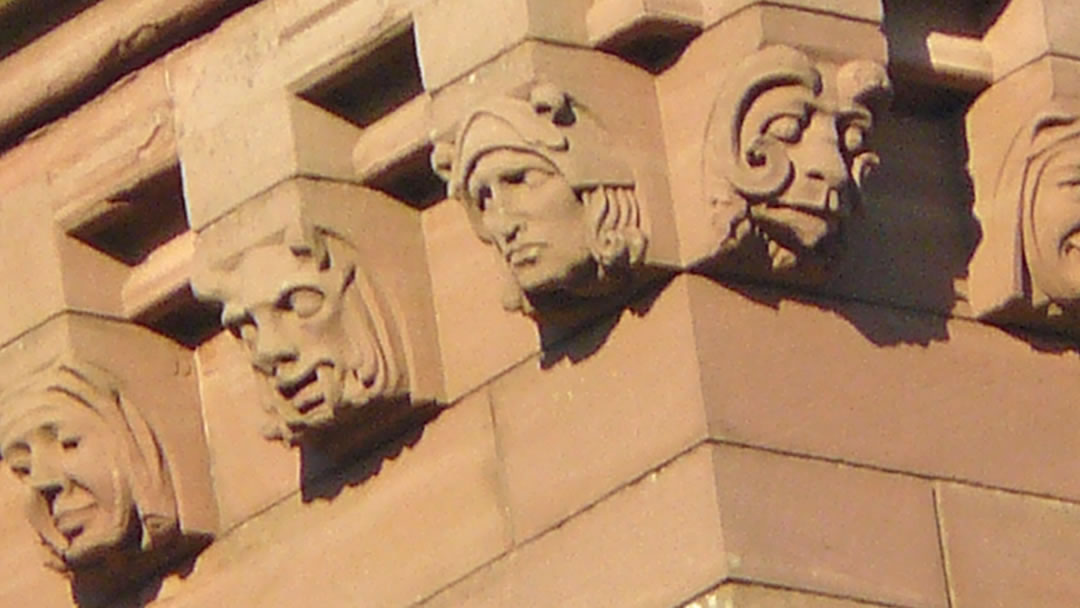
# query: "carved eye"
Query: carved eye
{"points": [[20, 469], [514, 177], [482, 196], [70, 443], [304, 301], [854, 138], [786, 127]]}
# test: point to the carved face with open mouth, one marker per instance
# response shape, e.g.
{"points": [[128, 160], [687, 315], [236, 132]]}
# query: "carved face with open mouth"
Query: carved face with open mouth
{"points": [[80, 501], [319, 354]]}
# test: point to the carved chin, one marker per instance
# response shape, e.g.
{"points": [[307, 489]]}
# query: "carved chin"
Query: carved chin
{"points": [[795, 228]]}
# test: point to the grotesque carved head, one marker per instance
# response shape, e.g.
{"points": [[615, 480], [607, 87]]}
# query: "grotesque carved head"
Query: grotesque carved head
{"points": [[785, 153], [540, 182], [317, 328], [99, 491], [1030, 250]]}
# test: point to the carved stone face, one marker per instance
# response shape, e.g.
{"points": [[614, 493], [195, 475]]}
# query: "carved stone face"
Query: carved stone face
{"points": [[533, 218], [80, 501], [820, 138], [318, 353], [1053, 237], [785, 154]]}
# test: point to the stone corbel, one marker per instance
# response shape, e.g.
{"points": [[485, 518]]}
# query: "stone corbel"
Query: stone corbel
{"points": [[101, 421], [586, 125], [1024, 142], [780, 101], [326, 284]]}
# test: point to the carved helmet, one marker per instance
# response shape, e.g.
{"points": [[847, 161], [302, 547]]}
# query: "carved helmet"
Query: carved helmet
{"points": [[548, 123]]}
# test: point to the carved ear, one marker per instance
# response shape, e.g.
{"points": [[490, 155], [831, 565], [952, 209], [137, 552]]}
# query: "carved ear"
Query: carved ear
{"points": [[442, 160], [863, 82]]}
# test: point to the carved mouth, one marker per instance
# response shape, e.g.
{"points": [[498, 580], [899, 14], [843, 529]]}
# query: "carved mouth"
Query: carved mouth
{"points": [[523, 255], [795, 228], [70, 523]]}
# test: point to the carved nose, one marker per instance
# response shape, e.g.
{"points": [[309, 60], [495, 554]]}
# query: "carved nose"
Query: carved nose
{"points": [[505, 227], [271, 349]]}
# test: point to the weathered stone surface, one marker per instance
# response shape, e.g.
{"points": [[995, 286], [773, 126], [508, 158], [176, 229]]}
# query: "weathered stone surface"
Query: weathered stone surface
{"points": [[653, 543], [1007, 549], [388, 530], [896, 390], [846, 532], [564, 419]]}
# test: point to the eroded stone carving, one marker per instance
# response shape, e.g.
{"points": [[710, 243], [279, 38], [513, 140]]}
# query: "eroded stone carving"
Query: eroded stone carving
{"points": [[318, 329], [785, 155], [542, 183], [101, 498], [1029, 257]]}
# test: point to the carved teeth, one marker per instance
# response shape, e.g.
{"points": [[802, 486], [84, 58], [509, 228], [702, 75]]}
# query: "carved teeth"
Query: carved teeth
{"points": [[833, 204]]}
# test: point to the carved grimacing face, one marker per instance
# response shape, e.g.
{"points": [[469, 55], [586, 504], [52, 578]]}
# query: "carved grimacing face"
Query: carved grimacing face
{"points": [[820, 135], [289, 314], [80, 499], [529, 211], [1053, 250]]}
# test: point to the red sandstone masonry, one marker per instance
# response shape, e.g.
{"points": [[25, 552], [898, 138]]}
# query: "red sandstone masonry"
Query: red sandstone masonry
{"points": [[426, 517], [576, 428], [1009, 549]]}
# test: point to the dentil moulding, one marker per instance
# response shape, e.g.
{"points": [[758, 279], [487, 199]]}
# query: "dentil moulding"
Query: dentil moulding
{"points": [[326, 285], [101, 422]]}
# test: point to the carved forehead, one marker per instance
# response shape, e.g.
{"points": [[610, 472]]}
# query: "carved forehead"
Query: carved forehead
{"points": [[499, 162], [32, 410], [262, 273]]}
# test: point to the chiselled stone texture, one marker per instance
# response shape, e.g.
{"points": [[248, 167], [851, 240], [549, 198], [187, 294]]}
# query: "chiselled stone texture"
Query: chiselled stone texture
{"points": [[751, 372]]}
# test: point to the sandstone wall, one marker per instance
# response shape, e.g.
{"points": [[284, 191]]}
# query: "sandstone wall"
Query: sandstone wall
{"points": [[711, 431]]}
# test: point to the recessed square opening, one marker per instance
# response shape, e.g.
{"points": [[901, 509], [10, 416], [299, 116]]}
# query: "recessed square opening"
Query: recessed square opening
{"points": [[375, 84], [411, 180], [183, 318], [653, 45], [139, 220]]}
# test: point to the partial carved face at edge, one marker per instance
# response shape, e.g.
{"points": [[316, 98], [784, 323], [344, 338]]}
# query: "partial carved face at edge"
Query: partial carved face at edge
{"points": [[1052, 249], [80, 500], [532, 216], [317, 353]]}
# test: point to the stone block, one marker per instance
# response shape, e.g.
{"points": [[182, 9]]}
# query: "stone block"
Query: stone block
{"points": [[1027, 30], [800, 524], [466, 290], [386, 531], [440, 26], [597, 411], [279, 138], [871, 11], [608, 20], [654, 543], [250, 474], [896, 390], [736, 595], [1005, 549]]}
